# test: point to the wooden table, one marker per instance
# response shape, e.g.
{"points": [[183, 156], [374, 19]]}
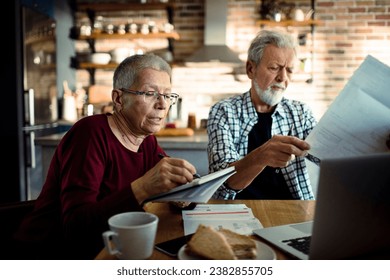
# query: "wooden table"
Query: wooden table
{"points": [[269, 212]]}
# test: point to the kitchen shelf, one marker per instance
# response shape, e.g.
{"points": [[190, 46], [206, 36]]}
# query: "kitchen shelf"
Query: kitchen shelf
{"points": [[48, 67], [38, 39], [292, 23], [90, 65], [101, 36], [92, 10], [94, 66], [287, 23], [113, 7]]}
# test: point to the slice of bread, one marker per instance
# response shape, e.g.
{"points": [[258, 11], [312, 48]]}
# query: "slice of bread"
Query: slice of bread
{"points": [[223, 244], [243, 246], [210, 244]]}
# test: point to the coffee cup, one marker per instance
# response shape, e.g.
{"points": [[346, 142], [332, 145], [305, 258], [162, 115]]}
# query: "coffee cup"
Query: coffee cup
{"points": [[131, 235]]}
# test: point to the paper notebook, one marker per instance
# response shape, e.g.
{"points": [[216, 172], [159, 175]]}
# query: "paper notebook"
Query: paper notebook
{"points": [[199, 190]]}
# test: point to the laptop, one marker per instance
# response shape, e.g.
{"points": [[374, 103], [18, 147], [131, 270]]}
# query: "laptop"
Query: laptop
{"points": [[352, 213]]}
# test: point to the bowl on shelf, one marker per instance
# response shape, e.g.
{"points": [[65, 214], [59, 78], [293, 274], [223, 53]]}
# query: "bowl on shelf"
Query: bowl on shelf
{"points": [[100, 58], [119, 54]]}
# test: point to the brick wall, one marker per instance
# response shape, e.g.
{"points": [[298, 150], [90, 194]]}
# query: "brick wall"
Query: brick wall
{"points": [[350, 31]]}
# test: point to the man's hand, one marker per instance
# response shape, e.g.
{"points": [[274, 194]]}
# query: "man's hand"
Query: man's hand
{"points": [[280, 150], [277, 152]]}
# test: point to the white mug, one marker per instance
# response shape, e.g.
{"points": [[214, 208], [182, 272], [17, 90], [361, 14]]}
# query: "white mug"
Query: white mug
{"points": [[131, 235]]}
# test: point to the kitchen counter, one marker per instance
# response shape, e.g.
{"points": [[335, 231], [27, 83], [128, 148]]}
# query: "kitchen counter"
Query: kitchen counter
{"points": [[192, 148], [198, 141]]}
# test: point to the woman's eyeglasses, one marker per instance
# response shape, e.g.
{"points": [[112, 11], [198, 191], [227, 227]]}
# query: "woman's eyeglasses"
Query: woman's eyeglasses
{"points": [[153, 96]]}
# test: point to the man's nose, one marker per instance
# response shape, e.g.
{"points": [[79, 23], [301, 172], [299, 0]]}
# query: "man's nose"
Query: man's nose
{"points": [[282, 75]]}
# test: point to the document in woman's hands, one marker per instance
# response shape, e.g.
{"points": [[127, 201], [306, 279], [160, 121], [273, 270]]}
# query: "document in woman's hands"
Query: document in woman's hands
{"points": [[199, 190]]}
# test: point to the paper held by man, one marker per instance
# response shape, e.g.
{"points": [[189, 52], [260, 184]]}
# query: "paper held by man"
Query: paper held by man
{"points": [[358, 120], [199, 190]]}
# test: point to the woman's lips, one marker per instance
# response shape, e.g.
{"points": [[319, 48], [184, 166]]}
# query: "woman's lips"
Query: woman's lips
{"points": [[156, 120]]}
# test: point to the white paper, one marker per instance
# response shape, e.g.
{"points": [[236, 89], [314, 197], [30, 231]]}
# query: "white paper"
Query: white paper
{"points": [[358, 120], [235, 217]]}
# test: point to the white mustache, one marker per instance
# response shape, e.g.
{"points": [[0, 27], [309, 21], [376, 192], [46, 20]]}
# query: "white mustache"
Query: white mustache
{"points": [[278, 86]]}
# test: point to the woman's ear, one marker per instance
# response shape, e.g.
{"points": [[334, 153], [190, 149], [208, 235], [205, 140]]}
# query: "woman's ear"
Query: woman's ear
{"points": [[117, 99]]}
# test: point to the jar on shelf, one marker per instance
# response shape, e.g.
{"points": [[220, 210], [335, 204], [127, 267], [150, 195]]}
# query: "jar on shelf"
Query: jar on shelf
{"points": [[85, 28], [98, 24]]}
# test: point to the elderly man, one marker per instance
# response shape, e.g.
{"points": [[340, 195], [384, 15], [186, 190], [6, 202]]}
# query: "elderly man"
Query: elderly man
{"points": [[261, 132]]}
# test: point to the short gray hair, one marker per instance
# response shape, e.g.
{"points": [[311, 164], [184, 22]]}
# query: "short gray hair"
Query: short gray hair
{"points": [[267, 37], [127, 72]]}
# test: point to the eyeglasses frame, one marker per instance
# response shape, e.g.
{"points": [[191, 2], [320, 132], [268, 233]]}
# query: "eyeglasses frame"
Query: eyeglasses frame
{"points": [[156, 94]]}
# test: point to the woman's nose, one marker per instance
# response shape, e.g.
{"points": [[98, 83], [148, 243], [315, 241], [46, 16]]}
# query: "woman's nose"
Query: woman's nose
{"points": [[161, 102]]}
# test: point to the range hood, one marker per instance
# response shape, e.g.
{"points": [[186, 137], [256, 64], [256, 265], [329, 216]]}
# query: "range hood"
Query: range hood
{"points": [[215, 49]]}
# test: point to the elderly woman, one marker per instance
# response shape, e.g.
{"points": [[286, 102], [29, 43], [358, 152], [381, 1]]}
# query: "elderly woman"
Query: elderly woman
{"points": [[104, 165]]}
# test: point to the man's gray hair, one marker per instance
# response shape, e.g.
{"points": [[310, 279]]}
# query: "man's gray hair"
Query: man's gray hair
{"points": [[267, 37], [126, 74]]}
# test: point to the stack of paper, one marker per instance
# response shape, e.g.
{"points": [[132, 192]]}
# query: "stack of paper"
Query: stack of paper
{"points": [[235, 217]]}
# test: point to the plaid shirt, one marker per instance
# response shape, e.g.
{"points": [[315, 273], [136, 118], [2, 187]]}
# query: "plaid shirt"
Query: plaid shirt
{"points": [[229, 123]]}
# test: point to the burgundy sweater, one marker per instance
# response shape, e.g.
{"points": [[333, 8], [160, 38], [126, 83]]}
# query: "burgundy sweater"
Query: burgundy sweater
{"points": [[88, 181]]}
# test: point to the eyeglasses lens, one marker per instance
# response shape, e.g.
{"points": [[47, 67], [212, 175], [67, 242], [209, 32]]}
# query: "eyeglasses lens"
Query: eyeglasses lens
{"points": [[155, 96]]}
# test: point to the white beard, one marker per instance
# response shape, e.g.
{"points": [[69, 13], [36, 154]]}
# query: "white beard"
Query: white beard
{"points": [[270, 96]]}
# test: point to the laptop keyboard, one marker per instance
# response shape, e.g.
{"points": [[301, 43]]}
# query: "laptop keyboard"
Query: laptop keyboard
{"points": [[302, 244]]}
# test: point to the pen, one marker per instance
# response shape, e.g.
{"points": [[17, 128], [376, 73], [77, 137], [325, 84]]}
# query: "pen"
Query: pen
{"points": [[161, 155], [196, 175], [313, 159], [309, 156]]}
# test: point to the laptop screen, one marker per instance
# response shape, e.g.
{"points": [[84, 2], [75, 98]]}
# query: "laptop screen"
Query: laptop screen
{"points": [[352, 218]]}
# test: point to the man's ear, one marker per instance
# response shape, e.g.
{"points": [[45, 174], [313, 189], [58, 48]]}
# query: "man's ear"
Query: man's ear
{"points": [[250, 69]]}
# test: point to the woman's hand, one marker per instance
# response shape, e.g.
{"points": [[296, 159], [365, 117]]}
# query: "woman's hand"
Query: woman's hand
{"points": [[164, 176]]}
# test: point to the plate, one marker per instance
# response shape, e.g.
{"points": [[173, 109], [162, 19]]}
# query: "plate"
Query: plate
{"points": [[264, 252]]}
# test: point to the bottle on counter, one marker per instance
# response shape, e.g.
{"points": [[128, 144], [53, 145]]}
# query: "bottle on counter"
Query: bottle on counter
{"points": [[81, 97], [69, 112], [191, 121]]}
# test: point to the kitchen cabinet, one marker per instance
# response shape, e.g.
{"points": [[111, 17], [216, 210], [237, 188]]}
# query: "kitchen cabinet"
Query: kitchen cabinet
{"points": [[124, 30], [40, 45], [304, 28]]}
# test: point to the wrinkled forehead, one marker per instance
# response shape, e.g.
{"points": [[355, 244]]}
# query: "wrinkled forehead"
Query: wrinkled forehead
{"points": [[279, 55], [157, 79]]}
